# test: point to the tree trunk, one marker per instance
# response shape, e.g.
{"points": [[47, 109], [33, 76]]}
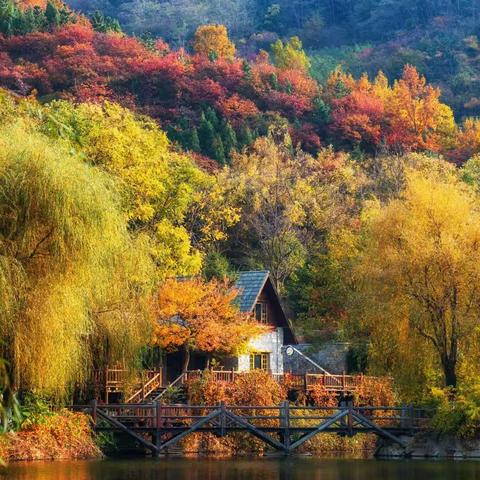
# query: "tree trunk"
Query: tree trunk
{"points": [[449, 370], [186, 360]]}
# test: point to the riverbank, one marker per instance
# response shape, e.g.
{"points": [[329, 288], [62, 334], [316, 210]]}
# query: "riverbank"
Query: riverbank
{"points": [[64, 435], [431, 445]]}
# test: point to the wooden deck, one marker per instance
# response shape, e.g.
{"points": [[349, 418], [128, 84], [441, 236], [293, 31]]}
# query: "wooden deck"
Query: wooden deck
{"points": [[146, 386], [284, 428]]}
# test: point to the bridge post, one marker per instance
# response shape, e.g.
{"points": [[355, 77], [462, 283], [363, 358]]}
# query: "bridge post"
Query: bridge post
{"points": [[94, 414], [350, 420], [223, 419], [158, 421], [285, 425], [412, 418]]}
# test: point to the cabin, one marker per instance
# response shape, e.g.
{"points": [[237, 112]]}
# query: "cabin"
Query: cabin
{"points": [[259, 298]]}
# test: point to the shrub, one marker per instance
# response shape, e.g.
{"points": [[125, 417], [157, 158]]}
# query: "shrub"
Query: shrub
{"points": [[456, 415], [64, 435], [250, 388]]}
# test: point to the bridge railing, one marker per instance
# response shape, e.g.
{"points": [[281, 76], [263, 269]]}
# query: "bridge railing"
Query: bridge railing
{"points": [[284, 427], [269, 418]]}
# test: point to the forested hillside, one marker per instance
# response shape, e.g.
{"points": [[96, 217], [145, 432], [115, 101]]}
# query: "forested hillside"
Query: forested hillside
{"points": [[439, 37], [205, 151]]}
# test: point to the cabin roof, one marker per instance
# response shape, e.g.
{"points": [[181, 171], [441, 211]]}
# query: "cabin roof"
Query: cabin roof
{"points": [[250, 285]]}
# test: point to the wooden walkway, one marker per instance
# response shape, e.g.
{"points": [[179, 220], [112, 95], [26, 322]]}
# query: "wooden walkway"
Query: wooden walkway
{"points": [[284, 428]]}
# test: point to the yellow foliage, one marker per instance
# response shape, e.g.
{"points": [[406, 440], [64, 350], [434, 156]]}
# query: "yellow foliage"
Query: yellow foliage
{"points": [[416, 275], [290, 56], [180, 209], [212, 40]]}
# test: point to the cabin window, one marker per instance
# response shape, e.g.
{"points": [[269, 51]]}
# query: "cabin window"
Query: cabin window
{"points": [[261, 312], [260, 361]]}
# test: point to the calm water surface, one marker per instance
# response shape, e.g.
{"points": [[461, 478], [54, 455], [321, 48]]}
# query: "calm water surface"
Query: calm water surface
{"points": [[268, 469]]}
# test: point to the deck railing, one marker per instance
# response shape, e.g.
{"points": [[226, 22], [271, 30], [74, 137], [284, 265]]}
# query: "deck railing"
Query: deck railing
{"points": [[152, 382], [295, 381]]}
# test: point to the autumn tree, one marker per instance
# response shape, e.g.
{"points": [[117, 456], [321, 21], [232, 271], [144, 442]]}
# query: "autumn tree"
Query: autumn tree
{"points": [[286, 202], [194, 315], [407, 116], [290, 56], [178, 209], [415, 269], [418, 115], [73, 281], [467, 141], [212, 41]]}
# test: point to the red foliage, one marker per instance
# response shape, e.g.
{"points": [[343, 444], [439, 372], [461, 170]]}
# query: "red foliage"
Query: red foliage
{"points": [[306, 137], [405, 116], [358, 117], [82, 64], [236, 108]]}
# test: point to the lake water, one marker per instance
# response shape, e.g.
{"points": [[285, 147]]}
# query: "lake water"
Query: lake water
{"points": [[258, 469]]}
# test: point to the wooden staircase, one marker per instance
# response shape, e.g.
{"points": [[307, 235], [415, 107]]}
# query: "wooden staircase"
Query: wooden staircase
{"points": [[149, 390], [154, 389]]}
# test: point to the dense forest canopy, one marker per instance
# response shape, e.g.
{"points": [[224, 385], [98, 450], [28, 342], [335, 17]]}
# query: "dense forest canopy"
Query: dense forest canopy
{"points": [[437, 36]]}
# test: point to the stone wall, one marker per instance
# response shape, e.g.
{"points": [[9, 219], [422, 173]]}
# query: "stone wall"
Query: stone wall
{"points": [[430, 445], [272, 343], [331, 356]]}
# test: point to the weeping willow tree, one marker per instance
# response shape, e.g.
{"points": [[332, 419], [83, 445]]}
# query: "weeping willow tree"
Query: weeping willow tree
{"points": [[73, 281]]}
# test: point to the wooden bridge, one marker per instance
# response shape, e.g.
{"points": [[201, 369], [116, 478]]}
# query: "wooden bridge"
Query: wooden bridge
{"points": [[284, 428]]}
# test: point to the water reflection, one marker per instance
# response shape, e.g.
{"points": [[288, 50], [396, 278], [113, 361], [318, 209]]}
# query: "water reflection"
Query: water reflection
{"points": [[262, 469]]}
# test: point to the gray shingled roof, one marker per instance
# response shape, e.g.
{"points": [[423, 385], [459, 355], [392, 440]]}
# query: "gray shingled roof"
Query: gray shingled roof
{"points": [[250, 285]]}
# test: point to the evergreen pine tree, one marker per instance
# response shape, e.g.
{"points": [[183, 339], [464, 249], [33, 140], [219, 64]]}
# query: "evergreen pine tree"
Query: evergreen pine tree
{"points": [[245, 136], [52, 15], [8, 13], [29, 21], [98, 22], [247, 70], [218, 150], [194, 140], [206, 136], [273, 80], [212, 117], [229, 138], [40, 20]]}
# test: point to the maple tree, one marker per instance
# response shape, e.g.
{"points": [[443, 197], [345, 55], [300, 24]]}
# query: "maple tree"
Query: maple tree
{"points": [[403, 117], [194, 315]]}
